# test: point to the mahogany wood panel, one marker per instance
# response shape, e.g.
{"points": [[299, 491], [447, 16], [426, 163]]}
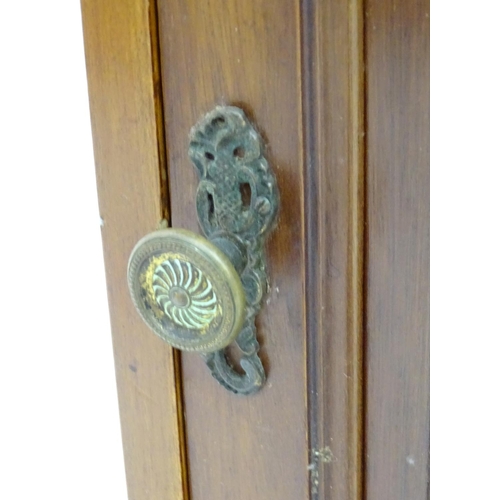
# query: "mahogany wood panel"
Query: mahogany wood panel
{"points": [[124, 107], [334, 147], [245, 54], [298, 73], [397, 295]]}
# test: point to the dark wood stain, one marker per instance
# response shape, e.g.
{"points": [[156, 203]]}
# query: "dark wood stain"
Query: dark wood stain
{"points": [[333, 99], [246, 54], [397, 295]]}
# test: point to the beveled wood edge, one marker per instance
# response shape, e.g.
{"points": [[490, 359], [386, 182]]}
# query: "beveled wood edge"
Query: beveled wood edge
{"points": [[121, 37], [154, 26]]}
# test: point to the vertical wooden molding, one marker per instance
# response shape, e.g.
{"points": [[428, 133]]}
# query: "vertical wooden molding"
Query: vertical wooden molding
{"points": [[333, 104], [356, 244], [310, 238]]}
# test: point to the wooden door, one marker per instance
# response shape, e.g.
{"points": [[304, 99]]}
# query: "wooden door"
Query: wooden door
{"points": [[339, 91]]}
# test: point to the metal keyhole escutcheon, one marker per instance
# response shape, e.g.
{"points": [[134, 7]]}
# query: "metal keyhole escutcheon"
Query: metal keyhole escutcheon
{"points": [[201, 293]]}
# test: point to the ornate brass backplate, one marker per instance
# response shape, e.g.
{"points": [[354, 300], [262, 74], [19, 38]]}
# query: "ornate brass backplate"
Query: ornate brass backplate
{"points": [[200, 294]]}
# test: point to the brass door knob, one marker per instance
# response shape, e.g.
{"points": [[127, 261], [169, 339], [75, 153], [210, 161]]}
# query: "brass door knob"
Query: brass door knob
{"points": [[202, 293], [187, 290]]}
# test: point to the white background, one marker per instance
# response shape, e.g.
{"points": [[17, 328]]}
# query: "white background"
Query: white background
{"points": [[465, 256], [59, 426], [59, 422]]}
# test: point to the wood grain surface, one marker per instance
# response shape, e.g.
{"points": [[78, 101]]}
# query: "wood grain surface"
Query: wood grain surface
{"points": [[301, 79], [333, 96], [344, 330], [244, 54], [397, 296], [124, 102]]}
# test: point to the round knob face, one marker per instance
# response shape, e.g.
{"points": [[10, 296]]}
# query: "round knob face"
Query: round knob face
{"points": [[186, 290]]}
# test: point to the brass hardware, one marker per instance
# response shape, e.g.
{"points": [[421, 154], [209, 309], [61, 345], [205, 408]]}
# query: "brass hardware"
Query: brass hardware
{"points": [[200, 294], [186, 290]]}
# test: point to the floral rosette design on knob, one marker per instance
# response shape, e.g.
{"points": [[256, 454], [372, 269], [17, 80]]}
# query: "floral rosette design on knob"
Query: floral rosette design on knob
{"points": [[186, 296], [186, 290]]}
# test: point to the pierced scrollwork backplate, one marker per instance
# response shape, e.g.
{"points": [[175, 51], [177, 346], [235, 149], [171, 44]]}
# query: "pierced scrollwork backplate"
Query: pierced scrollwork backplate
{"points": [[237, 201]]}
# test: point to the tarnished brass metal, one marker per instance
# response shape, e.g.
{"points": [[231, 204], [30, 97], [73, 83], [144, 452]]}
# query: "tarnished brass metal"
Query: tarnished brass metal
{"points": [[200, 294], [186, 290]]}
